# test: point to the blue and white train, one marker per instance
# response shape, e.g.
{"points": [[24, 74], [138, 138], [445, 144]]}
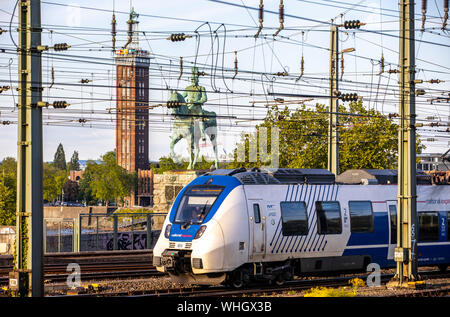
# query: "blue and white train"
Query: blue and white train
{"points": [[233, 226]]}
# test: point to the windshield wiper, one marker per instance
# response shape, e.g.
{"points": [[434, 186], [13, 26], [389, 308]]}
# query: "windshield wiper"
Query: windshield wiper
{"points": [[187, 224], [202, 213]]}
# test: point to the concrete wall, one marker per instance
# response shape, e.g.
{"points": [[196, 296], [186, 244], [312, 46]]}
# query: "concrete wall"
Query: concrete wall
{"points": [[166, 187], [73, 212]]}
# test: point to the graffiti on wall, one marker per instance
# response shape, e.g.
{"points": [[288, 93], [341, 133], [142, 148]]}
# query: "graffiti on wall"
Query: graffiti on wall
{"points": [[128, 241]]}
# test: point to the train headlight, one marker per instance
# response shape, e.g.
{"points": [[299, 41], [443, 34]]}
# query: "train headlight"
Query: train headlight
{"points": [[200, 232], [167, 231]]}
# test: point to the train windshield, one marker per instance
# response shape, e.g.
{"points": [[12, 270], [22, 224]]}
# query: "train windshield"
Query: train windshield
{"points": [[196, 203]]}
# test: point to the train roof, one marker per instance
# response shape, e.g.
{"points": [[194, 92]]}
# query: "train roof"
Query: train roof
{"points": [[376, 176], [318, 176], [278, 175]]}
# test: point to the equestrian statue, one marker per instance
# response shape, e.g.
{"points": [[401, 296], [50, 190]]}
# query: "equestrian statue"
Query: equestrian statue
{"points": [[191, 121]]}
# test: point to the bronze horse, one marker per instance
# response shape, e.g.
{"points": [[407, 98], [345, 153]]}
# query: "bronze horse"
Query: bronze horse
{"points": [[186, 126]]}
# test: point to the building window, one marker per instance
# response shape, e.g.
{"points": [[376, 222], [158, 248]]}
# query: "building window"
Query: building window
{"points": [[328, 217], [361, 216], [256, 213], [428, 226], [295, 219]]}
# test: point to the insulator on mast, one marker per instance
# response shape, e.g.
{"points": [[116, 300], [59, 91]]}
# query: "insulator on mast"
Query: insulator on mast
{"points": [[177, 37], [130, 23], [424, 11], [181, 67], [281, 18], [342, 66], [444, 24], [53, 78], [61, 47], [302, 68], [4, 88], [381, 64], [235, 65], [282, 74], [113, 32], [261, 18], [60, 104]]}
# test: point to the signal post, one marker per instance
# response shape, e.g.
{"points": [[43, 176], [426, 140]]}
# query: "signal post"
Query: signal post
{"points": [[406, 250], [27, 279]]}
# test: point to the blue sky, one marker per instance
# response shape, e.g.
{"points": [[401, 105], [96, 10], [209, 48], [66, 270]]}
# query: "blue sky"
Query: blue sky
{"points": [[261, 55]]}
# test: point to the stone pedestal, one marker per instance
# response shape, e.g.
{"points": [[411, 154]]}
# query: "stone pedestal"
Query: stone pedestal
{"points": [[166, 187]]}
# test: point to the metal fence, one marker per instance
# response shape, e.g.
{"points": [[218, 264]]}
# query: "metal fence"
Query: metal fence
{"points": [[99, 232], [60, 234]]}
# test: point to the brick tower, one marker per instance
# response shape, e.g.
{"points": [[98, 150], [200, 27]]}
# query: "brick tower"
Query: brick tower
{"points": [[132, 82]]}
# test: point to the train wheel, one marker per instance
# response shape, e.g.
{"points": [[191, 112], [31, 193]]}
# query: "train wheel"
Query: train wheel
{"points": [[442, 267], [237, 283], [280, 280], [235, 279]]}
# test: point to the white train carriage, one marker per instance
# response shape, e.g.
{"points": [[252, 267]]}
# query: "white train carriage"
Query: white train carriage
{"points": [[236, 225]]}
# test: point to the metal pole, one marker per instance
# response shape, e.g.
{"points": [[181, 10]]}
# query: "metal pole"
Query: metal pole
{"points": [[406, 251], [115, 233], [59, 236], [132, 232], [29, 218], [333, 133], [45, 236], [74, 244], [80, 230], [96, 236], [149, 231]]}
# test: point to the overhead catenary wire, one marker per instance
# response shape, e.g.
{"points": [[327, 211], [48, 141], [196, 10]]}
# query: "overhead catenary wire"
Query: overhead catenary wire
{"points": [[388, 94]]}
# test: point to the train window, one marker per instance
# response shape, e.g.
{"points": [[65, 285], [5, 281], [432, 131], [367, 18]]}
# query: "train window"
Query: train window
{"points": [[428, 226], [361, 216], [393, 213], [196, 203], [295, 220], [328, 217], [256, 213]]}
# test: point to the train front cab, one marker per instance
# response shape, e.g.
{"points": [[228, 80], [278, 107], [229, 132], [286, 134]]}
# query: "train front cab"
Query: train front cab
{"points": [[201, 232]]}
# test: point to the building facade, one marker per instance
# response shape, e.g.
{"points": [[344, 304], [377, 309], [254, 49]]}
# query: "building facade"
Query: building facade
{"points": [[132, 128], [132, 132], [432, 162]]}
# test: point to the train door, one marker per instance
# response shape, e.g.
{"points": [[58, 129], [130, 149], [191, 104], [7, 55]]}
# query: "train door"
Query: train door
{"points": [[257, 228], [392, 214]]}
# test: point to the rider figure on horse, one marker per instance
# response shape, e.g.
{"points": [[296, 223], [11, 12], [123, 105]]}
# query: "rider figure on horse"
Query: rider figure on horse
{"points": [[195, 96]]}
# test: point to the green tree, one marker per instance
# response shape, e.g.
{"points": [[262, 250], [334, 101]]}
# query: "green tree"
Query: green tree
{"points": [[84, 184], [59, 160], [168, 164], [110, 182], [71, 190], [367, 138], [53, 181], [8, 189], [74, 164], [7, 206]]}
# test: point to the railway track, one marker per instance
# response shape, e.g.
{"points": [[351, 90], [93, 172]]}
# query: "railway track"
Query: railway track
{"points": [[138, 264], [258, 289], [93, 265]]}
